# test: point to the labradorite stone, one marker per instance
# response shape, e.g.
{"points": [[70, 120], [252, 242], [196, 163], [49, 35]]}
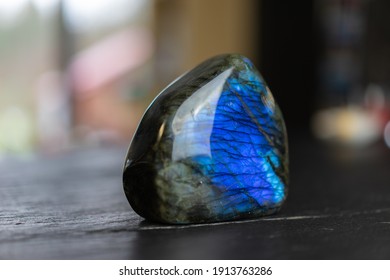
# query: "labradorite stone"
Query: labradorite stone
{"points": [[211, 147]]}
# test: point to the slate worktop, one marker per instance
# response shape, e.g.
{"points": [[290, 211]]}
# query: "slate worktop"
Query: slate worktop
{"points": [[72, 206]]}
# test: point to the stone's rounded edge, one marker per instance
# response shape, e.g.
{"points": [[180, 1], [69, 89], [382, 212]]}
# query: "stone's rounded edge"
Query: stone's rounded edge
{"points": [[285, 155], [135, 178]]}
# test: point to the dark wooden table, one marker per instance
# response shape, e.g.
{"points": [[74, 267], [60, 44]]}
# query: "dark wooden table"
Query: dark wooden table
{"points": [[72, 207]]}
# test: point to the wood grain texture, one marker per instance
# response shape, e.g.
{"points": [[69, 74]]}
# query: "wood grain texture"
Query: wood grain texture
{"points": [[73, 207]]}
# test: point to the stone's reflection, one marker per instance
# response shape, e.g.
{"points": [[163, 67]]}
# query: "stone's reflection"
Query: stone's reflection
{"points": [[213, 241], [211, 147]]}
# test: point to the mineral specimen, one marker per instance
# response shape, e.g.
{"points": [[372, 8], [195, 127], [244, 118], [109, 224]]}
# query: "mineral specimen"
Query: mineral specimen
{"points": [[211, 147]]}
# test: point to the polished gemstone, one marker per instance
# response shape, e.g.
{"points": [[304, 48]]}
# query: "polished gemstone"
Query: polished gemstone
{"points": [[211, 147]]}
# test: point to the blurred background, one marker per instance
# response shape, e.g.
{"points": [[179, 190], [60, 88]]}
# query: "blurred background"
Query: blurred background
{"points": [[81, 73]]}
